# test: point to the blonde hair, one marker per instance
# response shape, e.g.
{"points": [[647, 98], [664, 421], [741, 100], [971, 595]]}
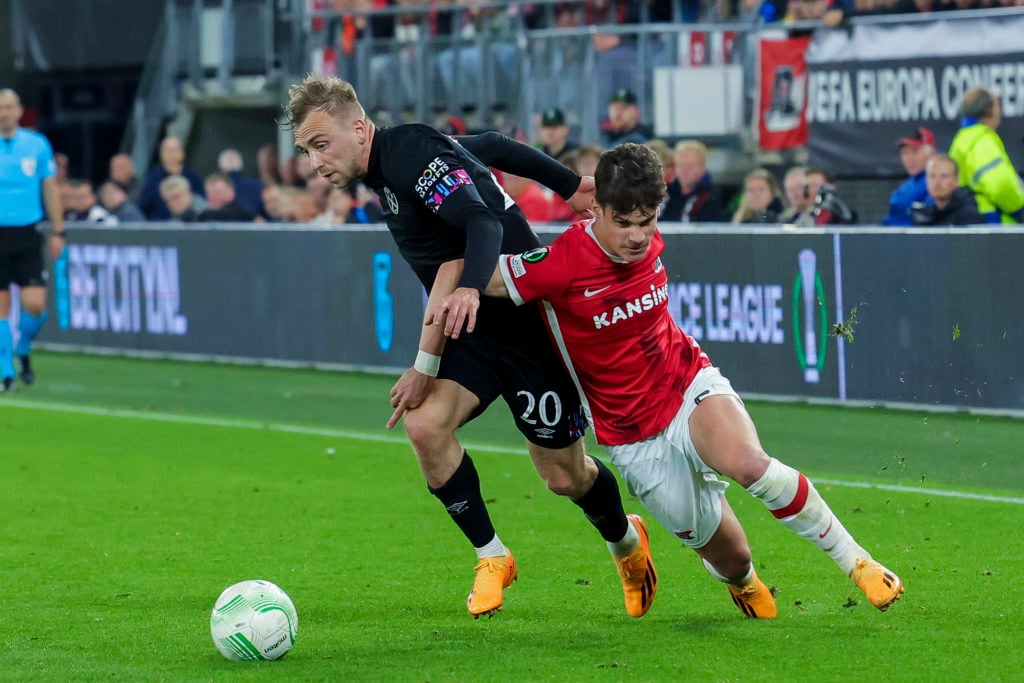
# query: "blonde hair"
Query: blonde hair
{"points": [[328, 94], [695, 146], [174, 182]]}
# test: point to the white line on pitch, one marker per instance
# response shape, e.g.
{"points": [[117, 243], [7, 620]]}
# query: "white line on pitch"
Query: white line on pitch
{"points": [[387, 438]]}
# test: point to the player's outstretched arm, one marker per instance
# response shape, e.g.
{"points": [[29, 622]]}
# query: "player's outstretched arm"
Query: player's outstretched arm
{"points": [[507, 155]]}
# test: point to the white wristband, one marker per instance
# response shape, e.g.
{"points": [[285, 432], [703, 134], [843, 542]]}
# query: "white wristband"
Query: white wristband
{"points": [[427, 363]]}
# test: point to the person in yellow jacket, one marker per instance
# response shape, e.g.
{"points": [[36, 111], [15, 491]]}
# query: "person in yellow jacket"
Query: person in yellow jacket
{"points": [[984, 165]]}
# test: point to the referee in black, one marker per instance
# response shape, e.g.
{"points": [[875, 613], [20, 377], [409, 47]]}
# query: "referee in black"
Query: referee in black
{"points": [[27, 183]]}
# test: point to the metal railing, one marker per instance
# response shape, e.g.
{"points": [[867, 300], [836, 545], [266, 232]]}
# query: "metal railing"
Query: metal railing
{"points": [[506, 70], [420, 71], [206, 44]]}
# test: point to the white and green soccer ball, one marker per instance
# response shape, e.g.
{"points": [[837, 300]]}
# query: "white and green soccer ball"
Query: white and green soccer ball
{"points": [[254, 620]]}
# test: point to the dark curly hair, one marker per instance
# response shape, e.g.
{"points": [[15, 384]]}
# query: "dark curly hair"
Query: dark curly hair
{"points": [[630, 177]]}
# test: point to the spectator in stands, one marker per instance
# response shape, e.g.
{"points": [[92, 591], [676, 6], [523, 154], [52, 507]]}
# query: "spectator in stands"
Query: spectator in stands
{"points": [[172, 162], [182, 205], [836, 11], [623, 123], [288, 171], [266, 165], [761, 11], [82, 205], [761, 201], [583, 159], [271, 197], [247, 188], [63, 166], [63, 191], [915, 150], [534, 201], [299, 206], [798, 198], [122, 172], [554, 134], [318, 187], [115, 200], [366, 203], [948, 203], [342, 208], [828, 208], [339, 207], [479, 31], [984, 165], [224, 203], [692, 197], [615, 65], [664, 152]]}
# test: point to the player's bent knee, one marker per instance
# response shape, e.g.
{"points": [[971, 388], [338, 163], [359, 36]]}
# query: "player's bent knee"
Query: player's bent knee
{"points": [[426, 429], [563, 483], [748, 465]]}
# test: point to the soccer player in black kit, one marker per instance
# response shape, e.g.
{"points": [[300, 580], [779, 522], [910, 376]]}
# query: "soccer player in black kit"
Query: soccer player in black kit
{"points": [[441, 203]]}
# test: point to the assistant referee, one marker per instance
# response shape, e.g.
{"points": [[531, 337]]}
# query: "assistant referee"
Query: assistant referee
{"points": [[27, 183]]}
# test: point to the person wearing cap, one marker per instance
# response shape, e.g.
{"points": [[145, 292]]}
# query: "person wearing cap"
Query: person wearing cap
{"points": [[915, 151], [985, 167], [554, 134], [623, 123]]}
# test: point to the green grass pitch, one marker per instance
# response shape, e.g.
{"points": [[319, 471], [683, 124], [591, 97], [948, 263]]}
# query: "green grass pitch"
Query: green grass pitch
{"points": [[132, 492]]}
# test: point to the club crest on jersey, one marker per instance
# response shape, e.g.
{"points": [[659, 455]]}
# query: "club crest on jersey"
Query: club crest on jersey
{"points": [[28, 166], [391, 200], [657, 265]]}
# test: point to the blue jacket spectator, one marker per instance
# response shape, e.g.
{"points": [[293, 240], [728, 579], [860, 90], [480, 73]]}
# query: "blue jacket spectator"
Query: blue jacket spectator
{"points": [[915, 151], [172, 162], [692, 196], [248, 190]]}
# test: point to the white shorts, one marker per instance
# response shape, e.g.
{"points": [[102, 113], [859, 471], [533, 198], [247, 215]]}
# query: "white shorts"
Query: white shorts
{"points": [[668, 476]]}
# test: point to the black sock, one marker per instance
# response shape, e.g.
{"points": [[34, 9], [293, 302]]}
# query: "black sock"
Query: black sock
{"points": [[462, 498], [602, 505]]}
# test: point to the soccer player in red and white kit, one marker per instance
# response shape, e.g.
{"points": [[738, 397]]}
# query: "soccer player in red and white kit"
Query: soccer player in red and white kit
{"points": [[670, 420]]}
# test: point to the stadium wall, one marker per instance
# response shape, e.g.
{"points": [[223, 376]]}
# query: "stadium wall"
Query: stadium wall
{"points": [[876, 315]]}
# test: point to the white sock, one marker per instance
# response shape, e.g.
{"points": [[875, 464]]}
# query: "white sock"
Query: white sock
{"points": [[493, 549], [718, 575], [625, 545], [795, 502]]}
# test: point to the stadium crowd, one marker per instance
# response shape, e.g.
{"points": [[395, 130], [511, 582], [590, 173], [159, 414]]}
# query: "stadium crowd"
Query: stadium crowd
{"points": [[286, 190], [974, 183]]}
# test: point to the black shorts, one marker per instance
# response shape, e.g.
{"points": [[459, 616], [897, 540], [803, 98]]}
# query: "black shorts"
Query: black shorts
{"points": [[21, 257], [510, 354]]}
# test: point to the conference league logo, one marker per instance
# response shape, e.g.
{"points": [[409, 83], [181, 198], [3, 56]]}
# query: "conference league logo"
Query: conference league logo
{"points": [[809, 317]]}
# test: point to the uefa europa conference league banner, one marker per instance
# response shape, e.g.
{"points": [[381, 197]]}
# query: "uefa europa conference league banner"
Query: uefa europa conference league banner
{"points": [[931, 317], [876, 83]]}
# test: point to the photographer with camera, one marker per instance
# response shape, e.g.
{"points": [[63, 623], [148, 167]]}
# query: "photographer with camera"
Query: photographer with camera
{"points": [[828, 208]]}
